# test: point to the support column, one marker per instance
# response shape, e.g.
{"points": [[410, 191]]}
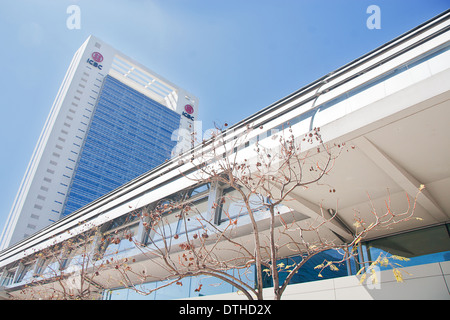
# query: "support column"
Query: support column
{"points": [[214, 201], [403, 178]]}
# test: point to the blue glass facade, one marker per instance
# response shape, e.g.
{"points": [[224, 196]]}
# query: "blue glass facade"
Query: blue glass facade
{"points": [[212, 286], [186, 288], [128, 135]]}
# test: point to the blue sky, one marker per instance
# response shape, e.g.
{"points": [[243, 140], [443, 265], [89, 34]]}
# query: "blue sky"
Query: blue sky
{"points": [[236, 56]]}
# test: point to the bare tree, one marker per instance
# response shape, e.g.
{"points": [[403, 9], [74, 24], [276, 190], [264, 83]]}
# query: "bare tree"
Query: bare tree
{"points": [[65, 271], [249, 222], [234, 225]]}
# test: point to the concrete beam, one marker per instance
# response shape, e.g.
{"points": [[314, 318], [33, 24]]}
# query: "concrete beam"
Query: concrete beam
{"points": [[314, 211], [402, 177]]}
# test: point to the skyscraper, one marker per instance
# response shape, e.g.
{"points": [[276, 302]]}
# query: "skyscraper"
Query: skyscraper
{"points": [[112, 120]]}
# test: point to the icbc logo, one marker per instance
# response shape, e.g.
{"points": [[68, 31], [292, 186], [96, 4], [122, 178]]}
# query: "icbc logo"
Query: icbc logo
{"points": [[96, 59], [188, 111], [97, 56]]}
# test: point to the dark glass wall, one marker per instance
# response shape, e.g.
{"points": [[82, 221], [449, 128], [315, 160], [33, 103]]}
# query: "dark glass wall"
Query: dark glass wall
{"points": [[128, 135]]}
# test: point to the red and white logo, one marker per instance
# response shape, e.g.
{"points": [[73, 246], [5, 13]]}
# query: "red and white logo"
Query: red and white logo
{"points": [[189, 109], [97, 56]]}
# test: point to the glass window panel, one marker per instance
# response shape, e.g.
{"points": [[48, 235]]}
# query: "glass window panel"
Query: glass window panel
{"points": [[25, 273], [307, 272], [233, 206], [246, 275], [142, 292], [209, 285], [119, 294], [8, 278], [126, 240], [420, 246], [167, 227], [173, 291]]}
